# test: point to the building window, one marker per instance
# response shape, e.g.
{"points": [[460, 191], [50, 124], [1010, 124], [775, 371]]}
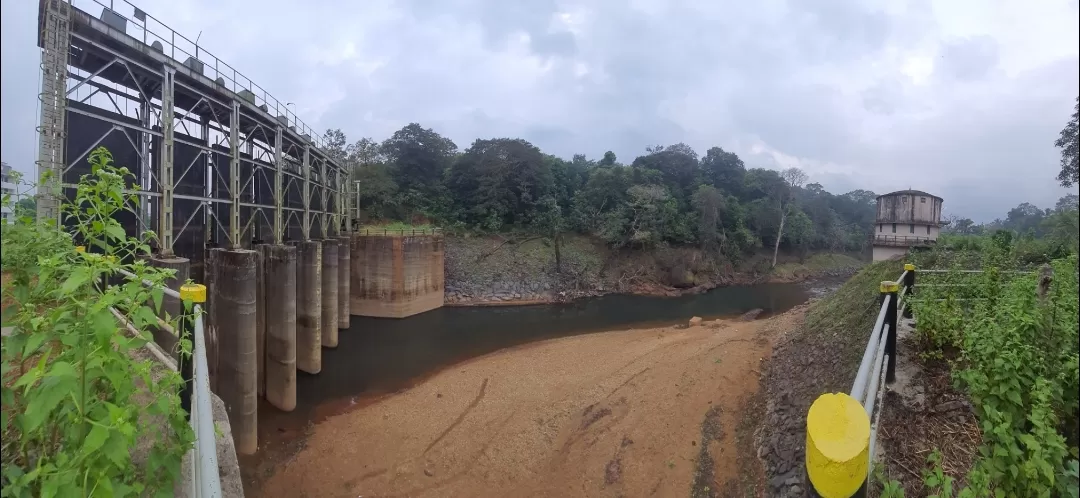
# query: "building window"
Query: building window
{"points": [[894, 228], [922, 200], [881, 228], [912, 228], [927, 229]]}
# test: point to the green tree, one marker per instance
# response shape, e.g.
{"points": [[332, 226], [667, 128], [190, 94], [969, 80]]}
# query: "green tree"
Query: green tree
{"points": [[723, 170], [1069, 143], [709, 203], [499, 182], [335, 144], [418, 158], [677, 165], [550, 222]]}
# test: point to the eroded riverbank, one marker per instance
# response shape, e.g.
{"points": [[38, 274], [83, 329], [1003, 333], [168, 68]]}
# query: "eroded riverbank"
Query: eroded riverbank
{"points": [[602, 414]]}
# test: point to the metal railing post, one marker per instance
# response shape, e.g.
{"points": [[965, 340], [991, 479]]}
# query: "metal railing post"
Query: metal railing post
{"points": [[889, 291], [186, 330], [909, 286]]}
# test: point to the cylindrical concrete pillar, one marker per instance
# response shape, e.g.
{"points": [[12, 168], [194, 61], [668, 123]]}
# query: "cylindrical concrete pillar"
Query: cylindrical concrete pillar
{"points": [[171, 307], [330, 293], [309, 306], [279, 263], [260, 316], [344, 263], [238, 368]]}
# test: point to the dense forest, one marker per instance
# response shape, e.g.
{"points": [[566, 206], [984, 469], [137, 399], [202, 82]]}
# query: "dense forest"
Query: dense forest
{"points": [[669, 195]]}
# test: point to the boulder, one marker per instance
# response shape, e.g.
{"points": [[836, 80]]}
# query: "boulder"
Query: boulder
{"points": [[751, 315], [695, 321]]}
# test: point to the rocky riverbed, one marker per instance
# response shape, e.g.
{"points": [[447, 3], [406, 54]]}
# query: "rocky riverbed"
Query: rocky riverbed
{"points": [[492, 272]]}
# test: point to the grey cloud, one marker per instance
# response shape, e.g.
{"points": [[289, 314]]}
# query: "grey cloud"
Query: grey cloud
{"points": [[970, 58], [798, 76]]}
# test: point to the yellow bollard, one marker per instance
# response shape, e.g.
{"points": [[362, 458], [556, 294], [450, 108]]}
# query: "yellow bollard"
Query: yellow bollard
{"points": [[837, 446], [195, 292]]}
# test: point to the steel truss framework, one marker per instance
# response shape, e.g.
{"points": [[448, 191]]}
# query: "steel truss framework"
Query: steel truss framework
{"points": [[211, 167]]}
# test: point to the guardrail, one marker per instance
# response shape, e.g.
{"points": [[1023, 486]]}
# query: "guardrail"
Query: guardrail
{"points": [[148, 29], [902, 240], [397, 231], [841, 429], [195, 396]]}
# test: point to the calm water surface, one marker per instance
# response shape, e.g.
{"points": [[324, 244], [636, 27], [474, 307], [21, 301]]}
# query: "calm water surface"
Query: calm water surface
{"points": [[379, 355]]}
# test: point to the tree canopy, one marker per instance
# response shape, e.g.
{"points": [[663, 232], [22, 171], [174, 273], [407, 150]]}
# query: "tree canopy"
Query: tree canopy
{"points": [[1069, 143], [668, 195]]}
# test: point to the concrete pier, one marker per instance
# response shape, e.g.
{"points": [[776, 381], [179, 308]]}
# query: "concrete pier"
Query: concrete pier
{"points": [[235, 293], [309, 306], [171, 307], [279, 264], [260, 318], [330, 293], [395, 275], [344, 263]]}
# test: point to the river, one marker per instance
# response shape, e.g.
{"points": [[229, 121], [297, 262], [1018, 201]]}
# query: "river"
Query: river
{"points": [[381, 356]]}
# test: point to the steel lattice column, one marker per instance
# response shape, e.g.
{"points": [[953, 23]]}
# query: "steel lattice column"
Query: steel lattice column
{"points": [[234, 176], [55, 39], [279, 194], [165, 162], [306, 226]]}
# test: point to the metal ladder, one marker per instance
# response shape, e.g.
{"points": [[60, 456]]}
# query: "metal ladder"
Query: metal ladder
{"points": [[55, 43]]}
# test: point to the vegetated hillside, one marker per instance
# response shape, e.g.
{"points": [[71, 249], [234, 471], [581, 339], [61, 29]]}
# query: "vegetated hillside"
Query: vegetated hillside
{"points": [[493, 268], [668, 196], [818, 357]]}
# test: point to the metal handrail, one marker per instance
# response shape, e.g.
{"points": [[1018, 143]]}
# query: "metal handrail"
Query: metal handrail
{"points": [[858, 388], [236, 82], [205, 477]]}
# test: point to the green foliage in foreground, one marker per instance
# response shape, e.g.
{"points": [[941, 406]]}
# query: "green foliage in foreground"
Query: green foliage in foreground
{"points": [[80, 416], [1015, 352]]}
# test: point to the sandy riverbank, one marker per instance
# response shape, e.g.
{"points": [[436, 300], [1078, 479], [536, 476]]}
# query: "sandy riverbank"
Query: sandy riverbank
{"points": [[621, 413]]}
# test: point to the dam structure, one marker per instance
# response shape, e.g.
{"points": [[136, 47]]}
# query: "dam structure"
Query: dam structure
{"points": [[240, 193]]}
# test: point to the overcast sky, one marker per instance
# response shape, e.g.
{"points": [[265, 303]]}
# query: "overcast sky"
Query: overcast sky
{"points": [[962, 98]]}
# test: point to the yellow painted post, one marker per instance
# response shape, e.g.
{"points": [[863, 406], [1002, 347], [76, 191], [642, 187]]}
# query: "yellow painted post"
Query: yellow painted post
{"points": [[195, 293], [837, 446]]}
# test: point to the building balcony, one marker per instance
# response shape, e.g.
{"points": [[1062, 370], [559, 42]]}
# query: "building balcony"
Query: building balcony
{"points": [[903, 241]]}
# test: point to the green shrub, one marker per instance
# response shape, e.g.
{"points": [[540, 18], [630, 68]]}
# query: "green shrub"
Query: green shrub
{"points": [[75, 401]]}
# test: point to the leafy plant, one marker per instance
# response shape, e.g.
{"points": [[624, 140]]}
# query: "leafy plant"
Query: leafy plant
{"points": [[76, 403], [1018, 356]]}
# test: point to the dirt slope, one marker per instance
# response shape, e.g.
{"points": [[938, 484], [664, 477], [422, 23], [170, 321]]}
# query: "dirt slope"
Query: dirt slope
{"points": [[610, 414]]}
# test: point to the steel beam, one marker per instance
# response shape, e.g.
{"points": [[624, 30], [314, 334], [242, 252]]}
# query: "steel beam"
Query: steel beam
{"points": [[144, 166], [165, 162], [279, 194], [234, 176], [55, 40], [305, 227]]}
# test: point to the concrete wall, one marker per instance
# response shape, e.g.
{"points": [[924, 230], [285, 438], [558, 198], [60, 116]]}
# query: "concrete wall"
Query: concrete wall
{"points": [[882, 253], [909, 207], [395, 276]]}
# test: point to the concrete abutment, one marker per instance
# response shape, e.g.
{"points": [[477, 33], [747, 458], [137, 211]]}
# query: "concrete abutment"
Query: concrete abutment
{"points": [[394, 275]]}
